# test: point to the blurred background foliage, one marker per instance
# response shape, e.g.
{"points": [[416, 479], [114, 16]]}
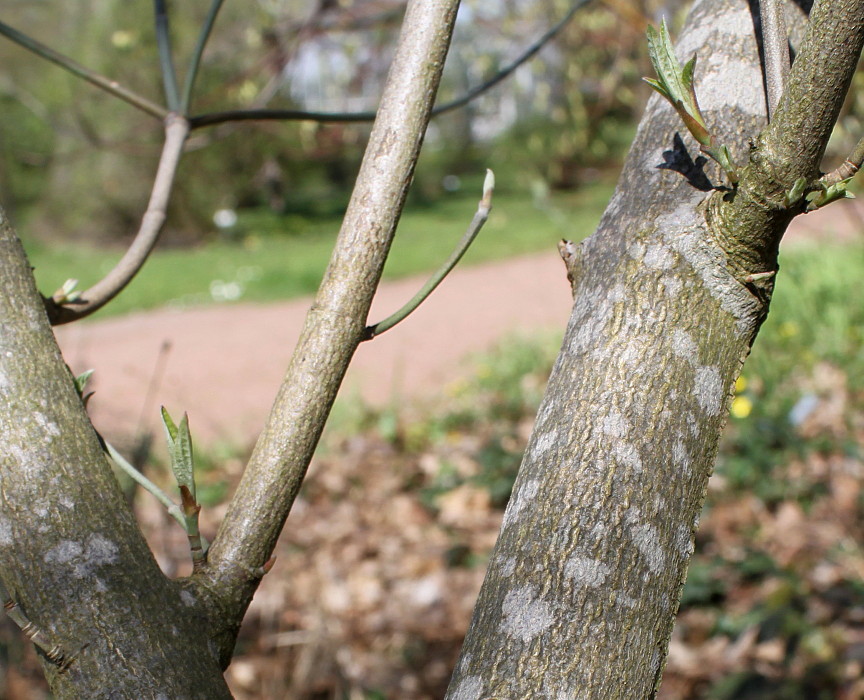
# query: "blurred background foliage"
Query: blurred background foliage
{"points": [[563, 119]]}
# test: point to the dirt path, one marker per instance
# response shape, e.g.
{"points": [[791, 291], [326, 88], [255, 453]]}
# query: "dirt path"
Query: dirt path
{"points": [[225, 363]]}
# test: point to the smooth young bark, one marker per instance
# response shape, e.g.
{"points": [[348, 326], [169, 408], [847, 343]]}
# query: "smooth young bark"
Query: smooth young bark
{"points": [[336, 322], [585, 579]]}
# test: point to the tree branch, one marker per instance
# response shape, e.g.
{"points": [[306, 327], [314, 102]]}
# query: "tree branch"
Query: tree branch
{"points": [[61, 311], [195, 61], [166, 60], [438, 276], [213, 118], [775, 48], [335, 324], [819, 79], [110, 86]]}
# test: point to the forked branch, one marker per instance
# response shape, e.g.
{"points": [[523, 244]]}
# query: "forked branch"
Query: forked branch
{"points": [[336, 322]]}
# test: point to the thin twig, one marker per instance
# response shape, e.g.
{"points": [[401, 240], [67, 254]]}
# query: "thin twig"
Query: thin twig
{"points": [[54, 652], [775, 47], [173, 509], [467, 239], [176, 130], [166, 60], [848, 168], [212, 118], [197, 544], [110, 86], [195, 61]]}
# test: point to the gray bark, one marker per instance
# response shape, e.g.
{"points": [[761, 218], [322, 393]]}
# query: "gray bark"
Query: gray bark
{"points": [[584, 582], [71, 555]]}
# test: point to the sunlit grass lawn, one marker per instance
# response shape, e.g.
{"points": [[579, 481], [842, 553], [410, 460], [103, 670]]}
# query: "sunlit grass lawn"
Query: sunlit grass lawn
{"points": [[274, 258]]}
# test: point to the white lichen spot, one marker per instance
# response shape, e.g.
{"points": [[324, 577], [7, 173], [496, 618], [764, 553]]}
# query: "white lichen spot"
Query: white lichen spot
{"points": [[525, 615], [48, 426], [658, 257], [508, 567], [586, 572], [187, 598], [626, 454], [41, 508], [685, 541], [621, 598], [63, 552], [543, 442], [646, 539], [6, 536], [85, 559], [684, 346], [66, 501], [672, 286], [519, 501], [708, 388], [680, 456], [636, 250], [470, 688], [614, 424], [100, 550]]}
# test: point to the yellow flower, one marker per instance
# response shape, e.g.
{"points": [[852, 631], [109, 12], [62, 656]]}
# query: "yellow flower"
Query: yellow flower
{"points": [[741, 406], [123, 39], [788, 329], [740, 384]]}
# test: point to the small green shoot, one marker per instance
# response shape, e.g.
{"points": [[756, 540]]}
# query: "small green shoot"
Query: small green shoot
{"points": [[793, 196], [827, 193], [180, 451], [675, 83], [81, 383], [67, 294]]}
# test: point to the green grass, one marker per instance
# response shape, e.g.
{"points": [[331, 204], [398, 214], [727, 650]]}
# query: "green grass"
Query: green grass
{"points": [[273, 258]]}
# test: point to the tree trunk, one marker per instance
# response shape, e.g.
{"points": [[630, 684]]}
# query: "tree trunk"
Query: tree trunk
{"points": [[584, 582], [88, 580]]}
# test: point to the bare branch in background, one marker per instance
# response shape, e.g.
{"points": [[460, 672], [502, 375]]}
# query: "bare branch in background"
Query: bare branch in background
{"points": [[166, 59], [60, 310], [110, 86], [195, 61], [213, 118]]}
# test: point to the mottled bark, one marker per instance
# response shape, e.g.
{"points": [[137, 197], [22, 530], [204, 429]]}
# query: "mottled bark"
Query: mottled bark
{"points": [[71, 554], [585, 579]]}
